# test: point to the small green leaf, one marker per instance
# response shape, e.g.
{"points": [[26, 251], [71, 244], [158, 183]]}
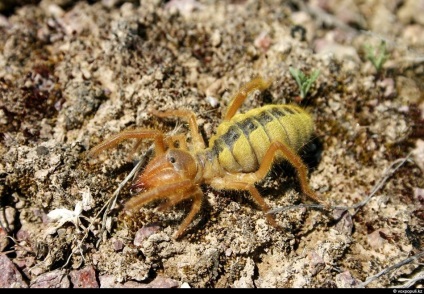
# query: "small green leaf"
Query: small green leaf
{"points": [[304, 82], [377, 56]]}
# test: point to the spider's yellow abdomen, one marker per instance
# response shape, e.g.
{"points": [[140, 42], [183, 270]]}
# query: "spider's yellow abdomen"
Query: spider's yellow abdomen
{"points": [[241, 143]]}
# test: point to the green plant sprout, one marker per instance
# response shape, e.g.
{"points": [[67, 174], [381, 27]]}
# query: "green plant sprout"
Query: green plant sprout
{"points": [[303, 81], [377, 56]]}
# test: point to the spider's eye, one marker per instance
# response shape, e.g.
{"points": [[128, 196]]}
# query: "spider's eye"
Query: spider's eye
{"points": [[172, 159]]}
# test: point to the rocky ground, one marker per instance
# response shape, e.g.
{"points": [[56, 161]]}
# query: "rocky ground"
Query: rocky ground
{"points": [[72, 74]]}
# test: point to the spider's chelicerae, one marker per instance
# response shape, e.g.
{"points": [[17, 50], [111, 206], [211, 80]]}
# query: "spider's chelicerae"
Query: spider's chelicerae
{"points": [[240, 154]]}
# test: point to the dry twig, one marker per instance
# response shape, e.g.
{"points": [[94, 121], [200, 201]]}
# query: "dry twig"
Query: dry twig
{"points": [[107, 207], [390, 268]]}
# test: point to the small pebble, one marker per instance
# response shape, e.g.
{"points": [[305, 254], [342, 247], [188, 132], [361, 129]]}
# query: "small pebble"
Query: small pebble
{"points": [[10, 277], [84, 278], [144, 233], [53, 279]]}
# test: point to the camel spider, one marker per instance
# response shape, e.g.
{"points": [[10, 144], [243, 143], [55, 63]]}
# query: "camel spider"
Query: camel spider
{"points": [[240, 154]]}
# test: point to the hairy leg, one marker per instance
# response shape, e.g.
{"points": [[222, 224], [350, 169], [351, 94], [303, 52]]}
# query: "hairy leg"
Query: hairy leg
{"points": [[165, 191], [197, 202], [168, 141], [114, 140], [224, 184], [241, 95], [294, 160], [175, 193]]}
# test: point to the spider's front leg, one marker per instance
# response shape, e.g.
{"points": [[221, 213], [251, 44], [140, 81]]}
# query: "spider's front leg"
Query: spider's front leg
{"points": [[139, 134], [174, 193]]}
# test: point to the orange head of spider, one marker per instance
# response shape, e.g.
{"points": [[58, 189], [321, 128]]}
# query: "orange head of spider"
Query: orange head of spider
{"points": [[173, 166]]}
